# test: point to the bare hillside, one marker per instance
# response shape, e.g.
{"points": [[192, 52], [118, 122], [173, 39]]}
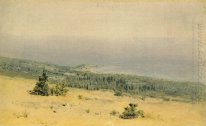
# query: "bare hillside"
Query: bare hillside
{"points": [[88, 108]]}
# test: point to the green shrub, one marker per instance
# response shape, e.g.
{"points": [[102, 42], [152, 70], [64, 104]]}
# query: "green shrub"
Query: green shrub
{"points": [[131, 112], [59, 90], [118, 93]]}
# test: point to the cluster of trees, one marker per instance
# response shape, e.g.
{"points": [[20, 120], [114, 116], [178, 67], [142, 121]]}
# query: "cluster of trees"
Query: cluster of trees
{"points": [[136, 85], [42, 87]]}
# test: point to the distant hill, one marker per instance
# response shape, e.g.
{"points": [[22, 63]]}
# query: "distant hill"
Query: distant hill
{"points": [[28, 67]]}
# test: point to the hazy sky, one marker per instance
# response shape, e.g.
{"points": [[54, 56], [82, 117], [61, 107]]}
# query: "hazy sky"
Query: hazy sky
{"points": [[97, 20], [101, 32]]}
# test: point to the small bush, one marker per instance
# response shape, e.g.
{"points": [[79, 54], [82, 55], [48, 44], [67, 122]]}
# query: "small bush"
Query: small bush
{"points": [[114, 113], [141, 113], [80, 96], [87, 111], [166, 99], [143, 97], [65, 104], [25, 114], [117, 93], [131, 112], [59, 90]]}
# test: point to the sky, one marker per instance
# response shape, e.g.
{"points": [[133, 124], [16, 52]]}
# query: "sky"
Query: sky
{"points": [[150, 37]]}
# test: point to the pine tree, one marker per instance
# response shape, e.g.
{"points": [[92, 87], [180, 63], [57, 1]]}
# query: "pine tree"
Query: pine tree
{"points": [[42, 87]]}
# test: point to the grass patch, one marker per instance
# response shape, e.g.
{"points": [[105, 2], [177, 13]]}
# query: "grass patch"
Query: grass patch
{"points": [[114, 113], [80, 97], [87, 111], [118, 93], [24, 114]]}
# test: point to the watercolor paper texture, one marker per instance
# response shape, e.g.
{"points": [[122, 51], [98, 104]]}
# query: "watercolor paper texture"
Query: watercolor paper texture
{"points": [[135, 43]]}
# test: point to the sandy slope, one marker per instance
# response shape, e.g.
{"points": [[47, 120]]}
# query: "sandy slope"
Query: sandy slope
{"points": [[16, 104]]}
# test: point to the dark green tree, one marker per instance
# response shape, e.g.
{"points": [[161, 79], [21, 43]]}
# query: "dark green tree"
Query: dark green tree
{"points": [[42, 87]]}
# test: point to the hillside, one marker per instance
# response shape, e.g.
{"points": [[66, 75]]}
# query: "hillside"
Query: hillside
{"points": [[82, 76], [19, 108]]}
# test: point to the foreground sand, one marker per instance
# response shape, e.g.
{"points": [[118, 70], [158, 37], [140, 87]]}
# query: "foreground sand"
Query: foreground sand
{"points": [[18, 108]]}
